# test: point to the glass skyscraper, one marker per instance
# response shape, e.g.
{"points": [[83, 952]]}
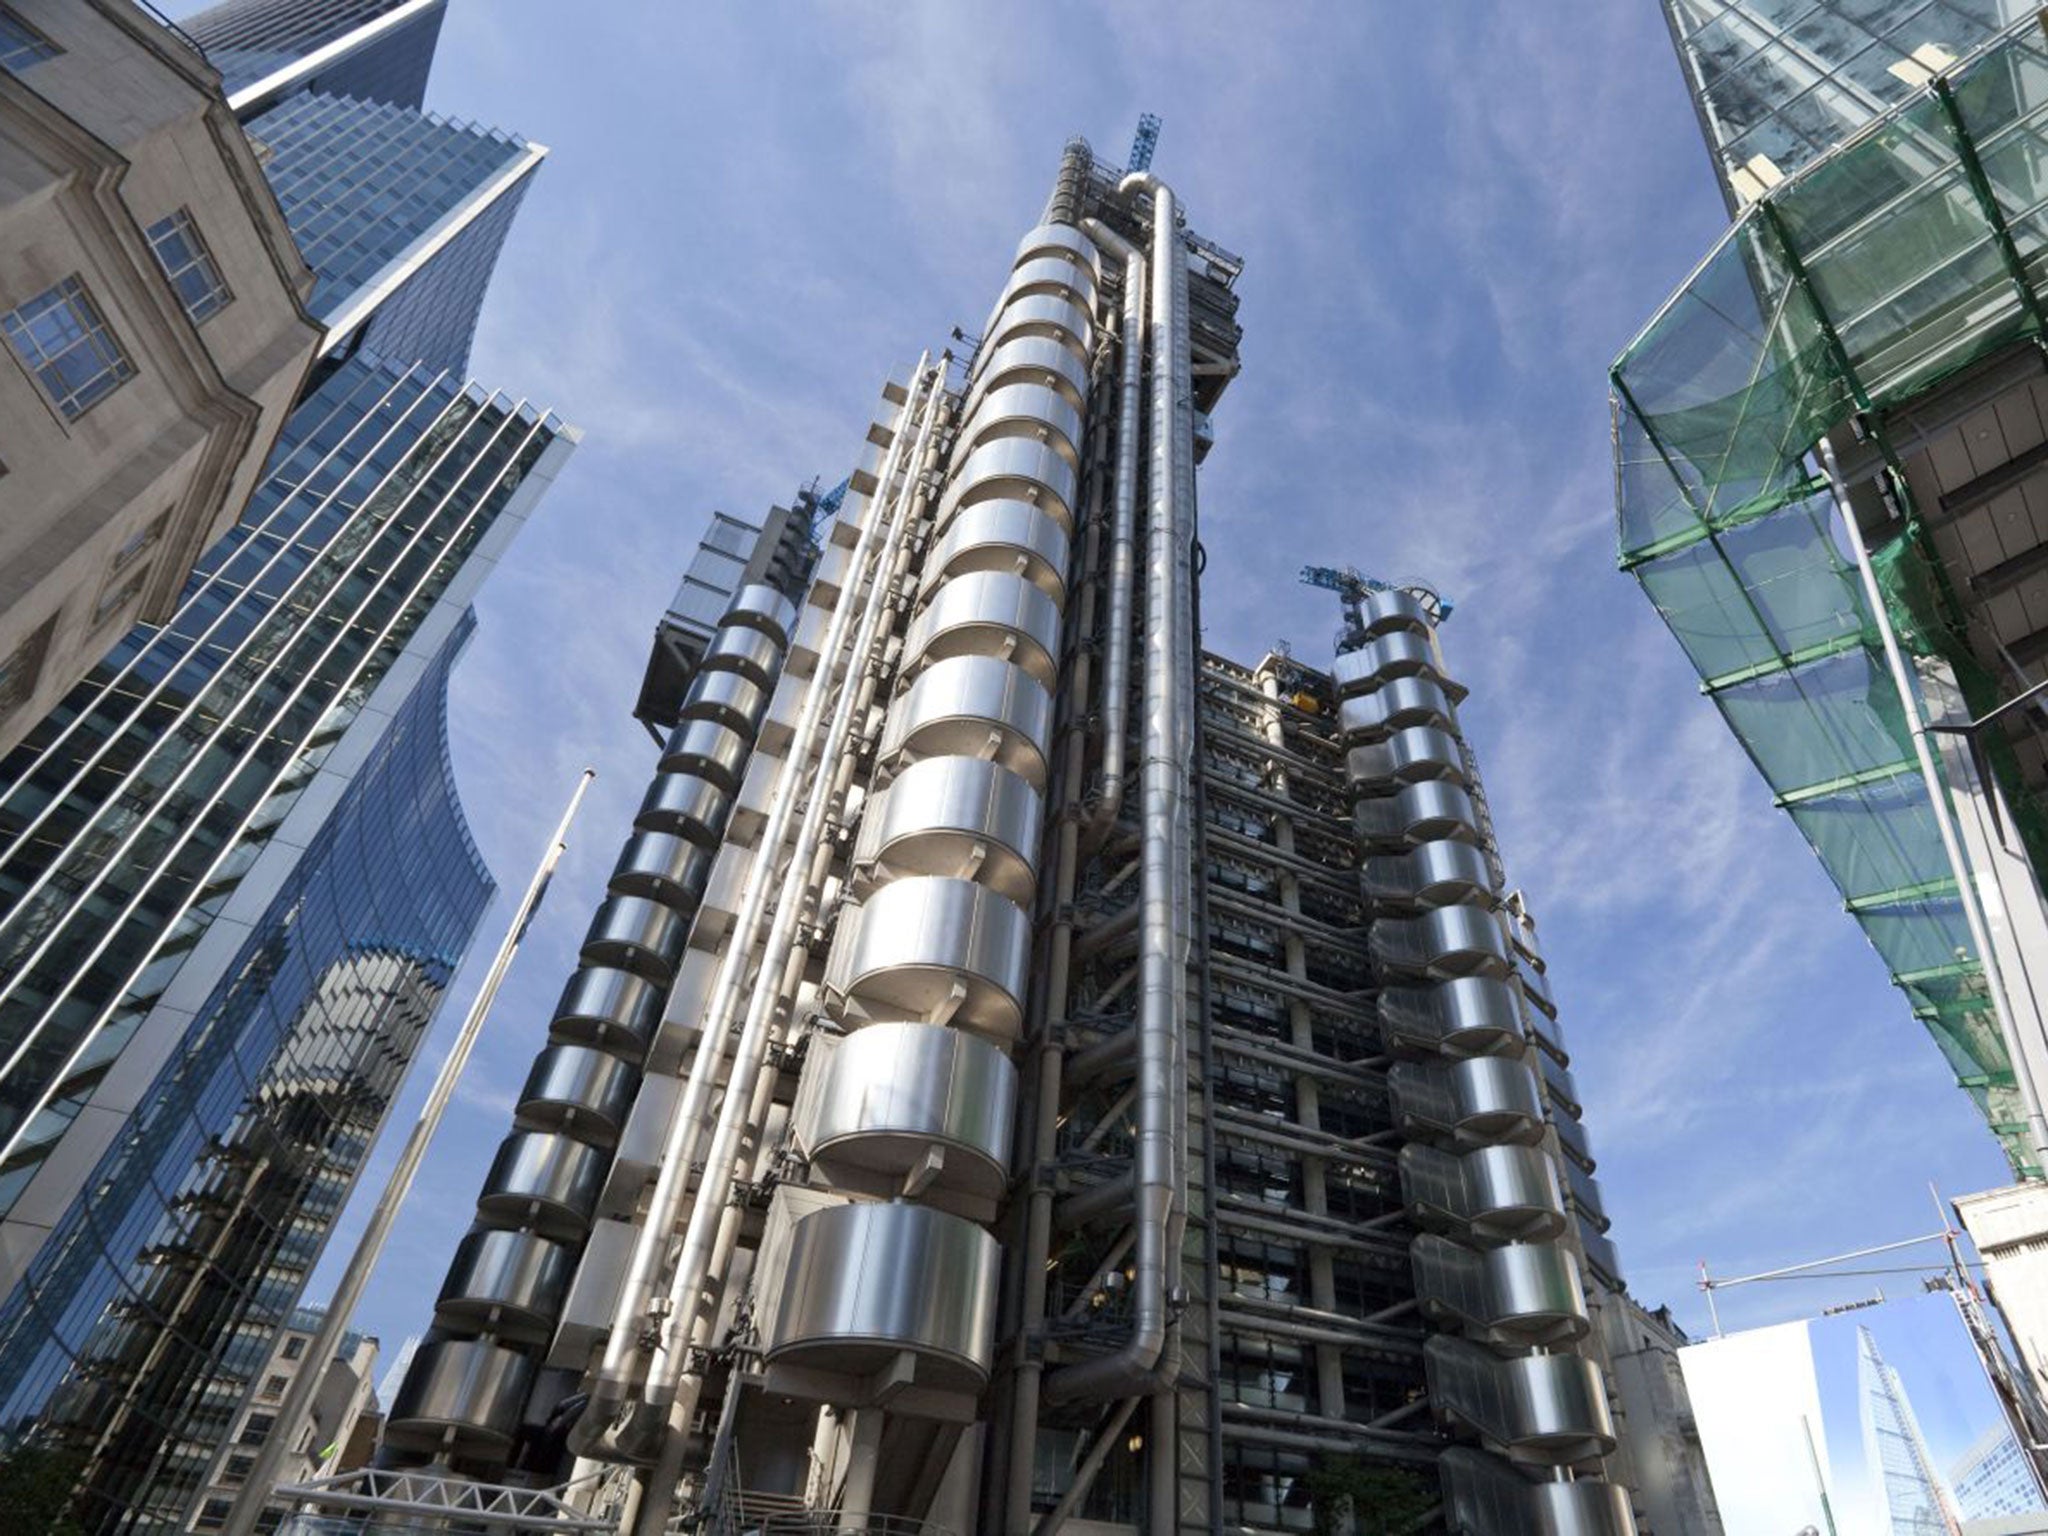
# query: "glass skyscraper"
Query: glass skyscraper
{"points": [[234, 876]]}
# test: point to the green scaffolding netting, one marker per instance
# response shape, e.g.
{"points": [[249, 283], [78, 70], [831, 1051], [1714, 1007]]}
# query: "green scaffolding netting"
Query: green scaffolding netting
{"points": [[1911, 251]]}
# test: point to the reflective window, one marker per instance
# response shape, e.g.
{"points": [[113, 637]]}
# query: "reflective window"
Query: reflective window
{"points": [[21, 44], [62, 341], [189, 265]]}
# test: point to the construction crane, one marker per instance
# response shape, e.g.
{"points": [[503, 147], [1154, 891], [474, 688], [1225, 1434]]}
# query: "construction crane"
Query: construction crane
{"points": [[1352, 587], [1146, 141]]}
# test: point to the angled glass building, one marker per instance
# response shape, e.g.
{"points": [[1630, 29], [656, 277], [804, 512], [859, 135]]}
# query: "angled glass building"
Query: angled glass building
{"points": [[234, 876], [1829, 467], [371, 50]]}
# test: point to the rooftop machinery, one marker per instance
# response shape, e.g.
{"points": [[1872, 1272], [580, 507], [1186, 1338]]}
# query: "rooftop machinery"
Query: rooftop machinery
{"points": [[1028, 1070]]}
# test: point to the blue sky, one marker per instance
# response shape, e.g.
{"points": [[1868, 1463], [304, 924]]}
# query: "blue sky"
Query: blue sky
{"points": [[1452, 217]]}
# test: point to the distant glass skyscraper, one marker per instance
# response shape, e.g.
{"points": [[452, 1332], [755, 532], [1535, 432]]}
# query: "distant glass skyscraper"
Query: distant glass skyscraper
{"points": [[372, 50], [234, 876], [1993, 1478], [1894, 1450]]}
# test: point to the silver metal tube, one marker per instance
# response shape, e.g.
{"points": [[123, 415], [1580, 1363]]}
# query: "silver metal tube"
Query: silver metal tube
{"points": [[1116, 652], [1164, 886], [1944, 816], [592, 1432], [341, 1307], [686, 1285]]}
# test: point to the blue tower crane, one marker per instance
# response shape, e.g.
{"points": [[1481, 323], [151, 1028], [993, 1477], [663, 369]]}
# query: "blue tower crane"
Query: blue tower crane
{"points": [[1146, 141], [1351, 586]]}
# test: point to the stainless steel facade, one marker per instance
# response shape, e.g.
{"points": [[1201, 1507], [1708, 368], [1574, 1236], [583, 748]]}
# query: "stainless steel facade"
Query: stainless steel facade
{"points": [[1095, 1080]]}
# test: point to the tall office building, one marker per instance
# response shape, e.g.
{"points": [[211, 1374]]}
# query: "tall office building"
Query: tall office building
{"points": [[1028, 1072], [234, 877], [1993, 1478], [1830, 473], [1910, 1491]]}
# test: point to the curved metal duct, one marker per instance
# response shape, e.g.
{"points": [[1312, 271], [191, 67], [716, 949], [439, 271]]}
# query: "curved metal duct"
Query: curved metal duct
{"points": [[1418, 813], [934, 948], [638, 935], [686, 805], [603, 1006], [664, 867], [468, 1391], [1483, 1496], [1442, 873], [714, 752], [1465, 1016], [1479, 1101], [727, 697], [1385, 612], [1051, 274], [1012, 536], [1443, 942], [507, 1282], [1029, 412], [958, 816], [973, 706], [757, 605], [1012, 469], [1029, 360], [865, 1283], [1402, 703], [1062, 240], [753, 653], [579, 1090], [1043, 315], [1518, 1296], [546, 1181], [1419, 753], [987, 613], [1402, 653], [892, 1095], [1491, 1194], [1542, 1410]]}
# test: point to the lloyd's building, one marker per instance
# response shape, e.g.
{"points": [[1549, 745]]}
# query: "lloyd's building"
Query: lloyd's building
{"points": [[1029, 1073], [235, 879]]}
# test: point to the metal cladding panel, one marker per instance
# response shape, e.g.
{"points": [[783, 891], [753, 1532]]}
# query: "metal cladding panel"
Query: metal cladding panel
{"points": [[602, 1005], [864, 1282], [760, 606], [892, 1092], [1026, 411], [932, 947], [1028, 360], [1054, 273], [1445, 941], [1544, 1410], [1400, 654], [1403, 703], [1435, 874], [958, 816], [973, 706], [467, 1389], [509, 1282], [639, 935], [708, 749], [1012, 469], [727, 697], [1062, 240], [1387, 612], [544, 1180], [1465, 1016], [1479, 1099], [1045, 315], [1412, 756], [663, 867], [753, 653], [1009, 536], [1418, 813], [685, 804], [988, 613], [578, 1089], [1537, 986], [1490, 1194], [1484, 1496], [1521, 1295]]}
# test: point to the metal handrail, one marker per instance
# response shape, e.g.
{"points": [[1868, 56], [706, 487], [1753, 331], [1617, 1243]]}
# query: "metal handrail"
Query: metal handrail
{"points": [[170, 26]]}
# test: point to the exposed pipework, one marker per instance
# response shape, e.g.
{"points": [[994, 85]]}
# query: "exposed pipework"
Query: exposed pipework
{"points": [[1116, 659], [1133, 1368], [596, 1432]]}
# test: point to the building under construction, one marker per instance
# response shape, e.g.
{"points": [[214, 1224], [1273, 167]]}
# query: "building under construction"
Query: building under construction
{"points": [[1029, 1073]]}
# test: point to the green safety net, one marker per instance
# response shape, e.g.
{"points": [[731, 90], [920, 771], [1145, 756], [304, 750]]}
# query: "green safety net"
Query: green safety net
{"points": [[1911, 251]]}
